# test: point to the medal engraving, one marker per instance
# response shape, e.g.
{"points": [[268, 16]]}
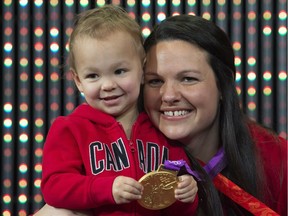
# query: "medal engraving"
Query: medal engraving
{"points": [[159, 189]]}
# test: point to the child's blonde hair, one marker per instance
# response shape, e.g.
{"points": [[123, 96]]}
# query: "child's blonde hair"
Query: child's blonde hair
{"points": [[103, 21]]}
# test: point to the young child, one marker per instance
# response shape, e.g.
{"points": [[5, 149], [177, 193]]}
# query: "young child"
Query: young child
{"points": [[94, 157]]}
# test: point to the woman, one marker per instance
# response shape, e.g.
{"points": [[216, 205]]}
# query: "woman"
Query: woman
{"points": [[190, 96]]}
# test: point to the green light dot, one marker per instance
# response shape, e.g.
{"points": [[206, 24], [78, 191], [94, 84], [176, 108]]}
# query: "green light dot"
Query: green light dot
{"points": [[176, 3], [146, 3], [282, 15], [8, 107], [7, 123], [23, 3], [282, 31], [251, 76], [53, 3], [54, 32], [267, 76], [267, 31], [282, 76], [8, 47], [146, 32], [7, 199], [70, 3], [23, 123], [146, 17], [22, 199], [161, 3], [191, 3], [130, 3], [23, 168], [38, 3], [7, 138], [238, 77], [251, 91], [100, 3], [8, 62], [267, 91], [23, 138]]}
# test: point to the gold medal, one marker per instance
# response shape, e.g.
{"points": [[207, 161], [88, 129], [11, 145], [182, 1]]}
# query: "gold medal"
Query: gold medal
{"points": [[159, 189]]}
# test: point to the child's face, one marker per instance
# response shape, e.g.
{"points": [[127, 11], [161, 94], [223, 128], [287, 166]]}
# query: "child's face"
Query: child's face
{"points": [[109, 73]]}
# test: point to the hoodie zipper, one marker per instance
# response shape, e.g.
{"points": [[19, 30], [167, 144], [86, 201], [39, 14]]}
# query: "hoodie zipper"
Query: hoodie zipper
{"points": [[133, 150]]}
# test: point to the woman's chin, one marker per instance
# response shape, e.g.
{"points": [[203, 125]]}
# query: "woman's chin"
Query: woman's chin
{"points": [[172, 133]]}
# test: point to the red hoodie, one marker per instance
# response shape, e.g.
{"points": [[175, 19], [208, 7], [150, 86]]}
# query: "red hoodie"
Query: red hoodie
{"points": [[85, 151]]}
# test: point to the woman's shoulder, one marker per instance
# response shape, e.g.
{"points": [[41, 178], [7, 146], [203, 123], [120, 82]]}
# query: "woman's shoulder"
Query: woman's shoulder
{"points": [[273, 153], [265, 137], [271, 147]]}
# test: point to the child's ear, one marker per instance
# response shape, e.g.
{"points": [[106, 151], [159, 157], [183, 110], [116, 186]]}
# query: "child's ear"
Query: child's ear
{"points": [[76, 79]]}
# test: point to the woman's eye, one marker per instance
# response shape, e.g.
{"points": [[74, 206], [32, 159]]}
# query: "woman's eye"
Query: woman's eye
{"points": [[189, 79], [154, 82]]}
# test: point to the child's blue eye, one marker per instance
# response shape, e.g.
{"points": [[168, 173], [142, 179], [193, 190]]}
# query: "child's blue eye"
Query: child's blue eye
{"points": [[120, 71], [92, 76]]}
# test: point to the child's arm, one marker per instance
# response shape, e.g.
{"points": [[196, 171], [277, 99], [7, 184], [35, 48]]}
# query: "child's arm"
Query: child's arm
{"points": [[64, 183]]}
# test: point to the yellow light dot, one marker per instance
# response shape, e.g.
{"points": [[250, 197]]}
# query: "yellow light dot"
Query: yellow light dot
{"points": [[23, 183], [238, 90], [251, 106], [7, 198], [6, 213], [7, 137], [251, 15], [251, 61], [267, 90], [37, 183], [251, 91], [206, 15], [38, 198], [267, 75]]}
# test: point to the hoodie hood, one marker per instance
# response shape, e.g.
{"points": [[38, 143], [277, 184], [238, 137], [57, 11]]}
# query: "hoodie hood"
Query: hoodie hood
{"points": [[85, 111]]}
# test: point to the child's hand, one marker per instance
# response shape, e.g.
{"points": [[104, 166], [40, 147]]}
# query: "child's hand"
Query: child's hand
{"points": [[126, 189], [186, 189]]}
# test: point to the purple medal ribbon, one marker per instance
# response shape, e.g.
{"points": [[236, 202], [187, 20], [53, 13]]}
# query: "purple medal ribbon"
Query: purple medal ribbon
{"points": [[213, 167]]}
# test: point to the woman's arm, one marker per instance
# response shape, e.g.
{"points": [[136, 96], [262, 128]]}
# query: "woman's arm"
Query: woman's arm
{"points": [[47, 210]]}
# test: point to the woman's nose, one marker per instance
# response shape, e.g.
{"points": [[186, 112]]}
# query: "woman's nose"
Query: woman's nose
{"points": [[169, 93]]}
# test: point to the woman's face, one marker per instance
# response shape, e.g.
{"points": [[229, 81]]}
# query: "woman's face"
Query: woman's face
{"points": [[180, 92]]}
